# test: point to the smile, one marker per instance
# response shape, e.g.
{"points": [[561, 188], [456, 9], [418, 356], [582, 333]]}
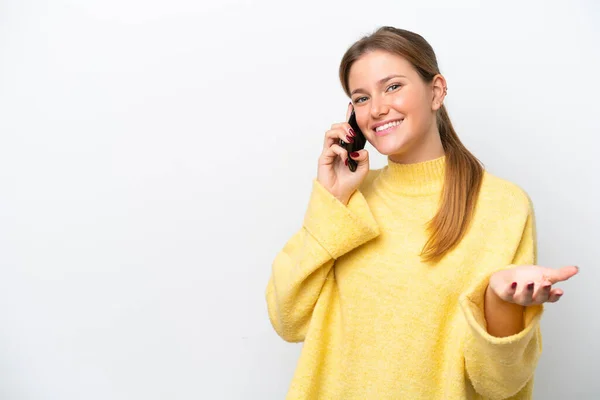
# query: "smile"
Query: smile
{"points": [[387, 128]]}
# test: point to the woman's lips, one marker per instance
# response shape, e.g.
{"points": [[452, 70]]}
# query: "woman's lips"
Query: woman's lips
{"points": [[388, 130]]}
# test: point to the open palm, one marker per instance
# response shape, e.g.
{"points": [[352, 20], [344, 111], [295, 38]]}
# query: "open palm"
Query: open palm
{"points": [[530, 284]]}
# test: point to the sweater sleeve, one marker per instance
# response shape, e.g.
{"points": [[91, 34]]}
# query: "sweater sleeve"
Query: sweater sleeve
{"points": [[330, 229], [498, 367]]}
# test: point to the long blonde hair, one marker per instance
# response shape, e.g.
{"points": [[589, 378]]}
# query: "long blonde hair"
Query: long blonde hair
{"points": [[464, 172]]}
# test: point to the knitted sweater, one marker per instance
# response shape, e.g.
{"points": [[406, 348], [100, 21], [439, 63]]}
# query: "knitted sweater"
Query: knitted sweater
{"points": [[377, 322]]}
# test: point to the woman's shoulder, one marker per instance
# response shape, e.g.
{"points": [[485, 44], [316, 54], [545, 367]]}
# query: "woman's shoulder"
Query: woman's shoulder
{"points": [[502, 193]]}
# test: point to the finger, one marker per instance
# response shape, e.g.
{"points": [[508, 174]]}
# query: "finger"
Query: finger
{"points": [[510, 292], [349, 111], [525, 296], [506, 291], [329, 155], [362, 158], [555, 295], [562, 274], [542, 294], [342, 125], [345, 127], [333, 136]]}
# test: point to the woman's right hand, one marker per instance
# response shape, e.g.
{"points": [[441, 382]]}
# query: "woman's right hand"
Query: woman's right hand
{"points": [[333, 172]]}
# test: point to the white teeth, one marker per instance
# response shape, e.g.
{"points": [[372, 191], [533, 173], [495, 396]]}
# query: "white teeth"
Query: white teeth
{"points": [[388, 125]]}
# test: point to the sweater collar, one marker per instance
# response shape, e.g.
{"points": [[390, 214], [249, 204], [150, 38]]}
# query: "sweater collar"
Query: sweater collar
{"points": [[416, 179]]}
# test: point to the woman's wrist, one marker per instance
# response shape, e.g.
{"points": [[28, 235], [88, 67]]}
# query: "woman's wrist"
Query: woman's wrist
{"points": [[503, 318]]}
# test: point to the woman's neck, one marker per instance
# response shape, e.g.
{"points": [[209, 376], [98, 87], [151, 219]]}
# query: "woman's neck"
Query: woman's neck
{"points": [[429, 148]]}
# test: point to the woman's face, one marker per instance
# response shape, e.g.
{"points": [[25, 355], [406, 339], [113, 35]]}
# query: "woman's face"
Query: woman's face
{"points": [[394, 108]]}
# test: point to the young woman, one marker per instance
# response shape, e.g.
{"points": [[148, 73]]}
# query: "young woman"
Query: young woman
{"points": [[417, 280]]}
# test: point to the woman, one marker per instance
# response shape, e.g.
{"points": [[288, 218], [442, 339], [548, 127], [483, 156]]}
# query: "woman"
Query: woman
{"points": [[417, 280]]}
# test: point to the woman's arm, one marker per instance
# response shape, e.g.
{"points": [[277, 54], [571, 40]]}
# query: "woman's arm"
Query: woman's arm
{"points": [[500, 360], [502, 318], [330, 230]]}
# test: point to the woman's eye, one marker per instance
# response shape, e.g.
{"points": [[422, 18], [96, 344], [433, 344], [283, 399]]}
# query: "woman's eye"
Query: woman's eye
{"points": [[359, 100], [393, 87]]}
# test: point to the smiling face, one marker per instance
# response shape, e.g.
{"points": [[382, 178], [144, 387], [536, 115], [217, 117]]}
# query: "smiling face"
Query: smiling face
{"points": [[395, 108]]}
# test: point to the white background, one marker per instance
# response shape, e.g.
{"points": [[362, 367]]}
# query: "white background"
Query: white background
{"points": [[156, 155]]}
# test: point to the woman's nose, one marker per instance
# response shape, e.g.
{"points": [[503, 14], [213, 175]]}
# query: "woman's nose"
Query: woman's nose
{"points": [[378, 108]]}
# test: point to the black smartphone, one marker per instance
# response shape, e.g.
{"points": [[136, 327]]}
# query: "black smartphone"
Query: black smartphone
{"points": [[359, 142]]}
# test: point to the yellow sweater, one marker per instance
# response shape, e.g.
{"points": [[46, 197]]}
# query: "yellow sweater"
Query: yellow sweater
{"points": [[376, 322]]}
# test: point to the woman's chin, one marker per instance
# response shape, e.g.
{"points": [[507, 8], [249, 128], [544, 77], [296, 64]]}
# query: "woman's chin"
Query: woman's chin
{"points": [[396, 143], [388, 150]]}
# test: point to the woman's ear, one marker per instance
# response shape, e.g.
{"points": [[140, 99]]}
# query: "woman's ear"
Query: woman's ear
{"points": [[439, 92]]}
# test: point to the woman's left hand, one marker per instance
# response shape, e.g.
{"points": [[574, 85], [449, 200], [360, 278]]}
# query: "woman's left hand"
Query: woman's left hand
{"points": [[528, 285]]}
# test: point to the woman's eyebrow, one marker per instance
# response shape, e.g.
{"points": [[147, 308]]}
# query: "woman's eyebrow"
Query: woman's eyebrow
{"points": [[379, 82]]}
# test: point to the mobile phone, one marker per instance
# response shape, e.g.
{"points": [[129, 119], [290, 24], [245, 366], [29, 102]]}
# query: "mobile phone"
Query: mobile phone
{"points": [[359, 142]]}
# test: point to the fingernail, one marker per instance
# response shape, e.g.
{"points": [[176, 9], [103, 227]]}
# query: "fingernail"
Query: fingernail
{"points": [[349, 139], [514, 285], [354, 154], [547, 287], [351, 132], [558, 295], [530, 286], [346, 162]]}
